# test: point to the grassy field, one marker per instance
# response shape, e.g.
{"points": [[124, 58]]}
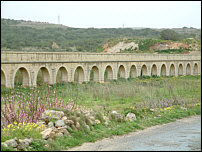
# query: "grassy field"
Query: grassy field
{"points": [[121, 94], [171, 97]]}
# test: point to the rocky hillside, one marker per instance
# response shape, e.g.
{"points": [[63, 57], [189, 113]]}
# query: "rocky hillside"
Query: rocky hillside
{"points": [[152, 46]]}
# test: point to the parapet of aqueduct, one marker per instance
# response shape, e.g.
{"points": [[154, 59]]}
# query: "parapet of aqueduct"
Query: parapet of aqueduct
{"points": [[134, 65]]}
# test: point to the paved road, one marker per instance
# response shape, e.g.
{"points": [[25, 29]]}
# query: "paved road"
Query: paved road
{"points": [[181, 135]]}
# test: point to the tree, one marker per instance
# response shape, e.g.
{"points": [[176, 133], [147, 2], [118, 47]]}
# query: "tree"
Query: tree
{"points": [[169, 35]]}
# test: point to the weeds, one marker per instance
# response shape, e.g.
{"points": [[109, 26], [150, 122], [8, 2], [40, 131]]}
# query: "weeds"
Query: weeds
{"points": [[154, 100]]}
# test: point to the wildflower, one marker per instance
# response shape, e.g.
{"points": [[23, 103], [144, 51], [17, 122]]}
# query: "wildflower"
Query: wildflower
{"points": [[97, 121], [10, 126], [197, 104]]}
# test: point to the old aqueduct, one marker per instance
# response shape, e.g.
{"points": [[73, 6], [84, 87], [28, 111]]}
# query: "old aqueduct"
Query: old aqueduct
{"points": [[128, 65]]}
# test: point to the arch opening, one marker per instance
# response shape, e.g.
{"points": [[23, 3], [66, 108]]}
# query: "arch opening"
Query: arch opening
{"points": [[180, 70], [121, 72], [154, 70], [21, 77], [143, 70], [108, 74], [133, 71], [188, 69], [195, 72], [172, 70], [94, 74], [79, 75], [43, 76], [3, 79], [163, 70], [62, 75]]}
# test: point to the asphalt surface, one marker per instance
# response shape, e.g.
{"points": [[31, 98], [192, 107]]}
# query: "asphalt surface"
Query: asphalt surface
{"points": [[181, 135]]}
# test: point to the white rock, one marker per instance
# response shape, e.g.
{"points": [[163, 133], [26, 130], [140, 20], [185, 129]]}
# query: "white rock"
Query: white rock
{"points": [[50, 124], [118, 116], [64, 118], [23, 143], [64, 131], [52, 114], [131, 117], [59, 134], [69, 122], [114, 112], [77, 125], [59, 123], [11, 143], [46, 133]]}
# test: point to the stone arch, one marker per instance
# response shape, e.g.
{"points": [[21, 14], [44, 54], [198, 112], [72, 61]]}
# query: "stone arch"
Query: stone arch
{"points": [[188, 69], [180, 70], [163, 70], [121, 71], [108, 73], [21, 75], [154, 70], [62, 75], [133, 71], [94, 74], [3, 78], [195, 71], [172, 70], [79, 74], [43, 76], [143, 70]]}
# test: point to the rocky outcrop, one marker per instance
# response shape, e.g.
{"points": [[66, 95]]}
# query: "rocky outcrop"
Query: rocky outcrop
{"points": [[168, 45], [58, 124], [18, 144], [121, 46], [54, 45]]}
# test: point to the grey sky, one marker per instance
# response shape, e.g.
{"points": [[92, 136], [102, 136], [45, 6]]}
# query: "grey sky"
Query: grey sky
{"points": [[107, 14]]}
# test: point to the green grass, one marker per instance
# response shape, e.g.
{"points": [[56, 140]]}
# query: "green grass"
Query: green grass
{"points": [[173, 51], [124, 96]]}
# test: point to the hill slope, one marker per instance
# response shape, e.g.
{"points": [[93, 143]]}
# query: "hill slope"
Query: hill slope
{"points": [[36, 36]]}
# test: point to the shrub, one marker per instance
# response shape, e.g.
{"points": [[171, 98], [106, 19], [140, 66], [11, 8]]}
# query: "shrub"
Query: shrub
{"points": [[169, 35]]}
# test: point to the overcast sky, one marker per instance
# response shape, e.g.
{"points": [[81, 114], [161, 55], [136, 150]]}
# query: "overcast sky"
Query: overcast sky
{"points": [[107, 14]]}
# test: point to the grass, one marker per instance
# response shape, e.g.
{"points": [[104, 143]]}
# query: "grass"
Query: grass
{"points": [[137, 95], [173, 51], [117, 95]]}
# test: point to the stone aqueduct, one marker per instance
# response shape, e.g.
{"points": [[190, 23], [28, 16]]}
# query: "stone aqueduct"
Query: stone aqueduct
{"points": [[133, 65]]}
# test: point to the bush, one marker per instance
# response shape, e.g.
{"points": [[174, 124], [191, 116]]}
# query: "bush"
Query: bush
{"points": [[169, 35]]}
